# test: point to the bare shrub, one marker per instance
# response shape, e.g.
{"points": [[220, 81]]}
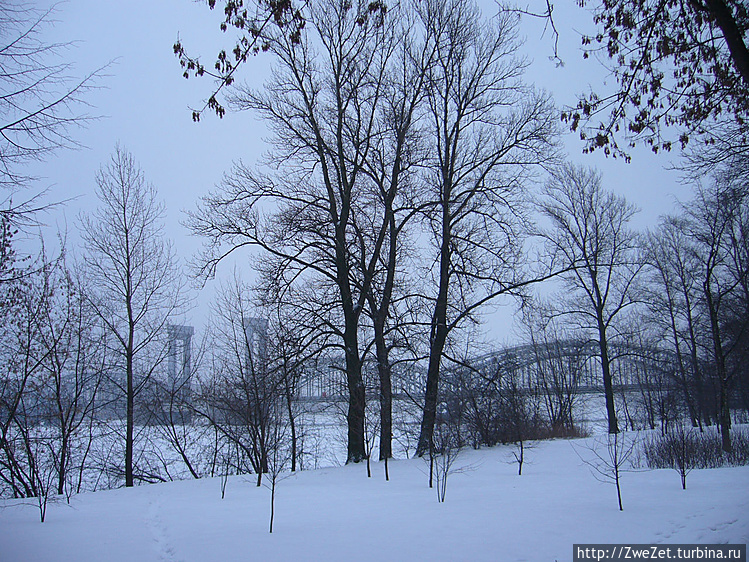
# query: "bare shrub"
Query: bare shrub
{"points": [[681, 448], [703, 449], [443, 454]]}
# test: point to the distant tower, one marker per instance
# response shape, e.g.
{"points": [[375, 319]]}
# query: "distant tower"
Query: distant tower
{"points": [[180, 347], [256, 334]]}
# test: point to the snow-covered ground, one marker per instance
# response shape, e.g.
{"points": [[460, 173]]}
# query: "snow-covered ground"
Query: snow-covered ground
{"points": [[490, 513]]}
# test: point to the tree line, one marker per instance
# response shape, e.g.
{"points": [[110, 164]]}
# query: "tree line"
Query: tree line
{"points": [[399, 199]]}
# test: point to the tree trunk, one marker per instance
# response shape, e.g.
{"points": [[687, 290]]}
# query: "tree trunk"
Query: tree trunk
{"points": [[272, 502], [521, 458], [608, 387], [430, 397], [356, 403], [722, 15], [688, 395], [130, 417], [292, 422], [351, 313], [63, 464], [380, 316], [724, 415], [438, 335], [702, 411], [386, 392]]}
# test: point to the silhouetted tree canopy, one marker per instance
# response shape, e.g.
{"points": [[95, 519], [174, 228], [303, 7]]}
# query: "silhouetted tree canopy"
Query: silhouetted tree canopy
{"points": [[40, 99], [681, 63], [257, 22]]}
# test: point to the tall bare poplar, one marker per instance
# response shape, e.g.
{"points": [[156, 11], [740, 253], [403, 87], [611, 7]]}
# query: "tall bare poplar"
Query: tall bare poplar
{"points": [[718, 224], [674, 301], [132, 279], [486, 131], [590, 234]]}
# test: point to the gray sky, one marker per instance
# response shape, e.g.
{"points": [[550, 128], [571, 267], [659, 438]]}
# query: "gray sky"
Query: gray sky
{"points": [[144, 103]]}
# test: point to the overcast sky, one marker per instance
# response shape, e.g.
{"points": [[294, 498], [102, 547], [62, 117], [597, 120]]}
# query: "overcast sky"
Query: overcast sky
{"points": [[144, 104]]}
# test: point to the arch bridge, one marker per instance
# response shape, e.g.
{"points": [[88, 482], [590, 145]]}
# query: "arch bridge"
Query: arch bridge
{"points": [[572, 364]]}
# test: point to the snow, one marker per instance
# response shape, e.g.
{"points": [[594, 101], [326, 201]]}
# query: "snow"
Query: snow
{"points": [[490, 513]]}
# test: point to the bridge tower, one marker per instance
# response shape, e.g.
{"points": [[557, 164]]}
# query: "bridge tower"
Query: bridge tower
{"points": [[256, 339], [179, 356]]}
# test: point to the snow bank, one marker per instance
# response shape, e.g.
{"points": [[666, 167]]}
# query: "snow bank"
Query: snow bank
{"points": [[490, 513]]}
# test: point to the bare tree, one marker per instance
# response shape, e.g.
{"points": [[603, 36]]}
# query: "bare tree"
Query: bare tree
{"points": [[42, 101], [321, 103], [74, 370], [295, 342], [346, 103], [486, 131], [718, 223], [288, 355], [590, 234], [392, 167], [560, 356], [172, 404], [611, 458], [444, 454], [278, 460], [674, 303], [48, 384], [682, 444], [520, 416], [247, 390], [27, 471], [132, 280], [472, 395], [656, 376]]}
